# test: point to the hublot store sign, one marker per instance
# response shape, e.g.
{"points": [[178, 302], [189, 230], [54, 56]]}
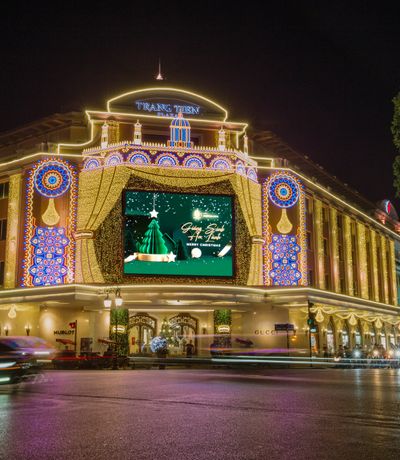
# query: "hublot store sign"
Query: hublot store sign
{"points": [[64, 332]]}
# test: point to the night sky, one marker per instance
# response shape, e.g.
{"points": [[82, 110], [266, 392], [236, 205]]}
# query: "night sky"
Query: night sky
{"points": [[321, 75]]}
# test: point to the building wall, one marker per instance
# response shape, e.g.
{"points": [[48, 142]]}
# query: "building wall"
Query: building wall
{"points": [[4, 192], [348, 255]]}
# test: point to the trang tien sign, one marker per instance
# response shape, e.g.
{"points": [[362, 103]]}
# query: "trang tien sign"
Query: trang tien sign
{"points": [[166, 109]]}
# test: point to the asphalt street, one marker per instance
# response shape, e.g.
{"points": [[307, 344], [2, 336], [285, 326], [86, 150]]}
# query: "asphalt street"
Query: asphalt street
{"points": [[203, 414]]}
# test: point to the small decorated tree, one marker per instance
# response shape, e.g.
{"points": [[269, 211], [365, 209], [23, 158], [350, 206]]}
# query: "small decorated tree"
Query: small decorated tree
{"points": [[167, 332]]}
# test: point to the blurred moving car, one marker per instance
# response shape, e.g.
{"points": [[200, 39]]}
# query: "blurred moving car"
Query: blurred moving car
{"points": [[22, 357]]}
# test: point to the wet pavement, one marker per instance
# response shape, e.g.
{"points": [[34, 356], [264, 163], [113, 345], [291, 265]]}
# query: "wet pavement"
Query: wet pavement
{"points": [[204, 414]]}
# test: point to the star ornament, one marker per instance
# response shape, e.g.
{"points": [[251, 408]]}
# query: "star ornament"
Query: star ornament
{"points": [[171, 257], [154, 213]]}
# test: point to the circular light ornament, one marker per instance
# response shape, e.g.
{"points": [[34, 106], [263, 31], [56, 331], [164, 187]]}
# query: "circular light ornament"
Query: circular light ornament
{"points": [[52, 179], [284, 191], [196, 253]]}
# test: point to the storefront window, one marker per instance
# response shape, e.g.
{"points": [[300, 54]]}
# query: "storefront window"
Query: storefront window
{"points": [[373, 338], [383, 339], [330, 337], [345, 336]]}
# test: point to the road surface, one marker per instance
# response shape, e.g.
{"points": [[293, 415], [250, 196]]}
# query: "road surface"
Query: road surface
{"points": [[204, 414]]}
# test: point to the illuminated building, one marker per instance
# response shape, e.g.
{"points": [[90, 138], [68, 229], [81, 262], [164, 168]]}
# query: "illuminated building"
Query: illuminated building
{"points": [[163, 203]]}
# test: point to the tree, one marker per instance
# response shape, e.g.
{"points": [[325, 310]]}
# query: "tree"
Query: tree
{"points": [[153, 241], [182, 253], [119, 322], [396, 140]]}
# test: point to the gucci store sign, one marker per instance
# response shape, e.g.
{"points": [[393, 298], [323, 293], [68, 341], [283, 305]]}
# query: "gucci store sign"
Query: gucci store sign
{"points": [[265, 332]]}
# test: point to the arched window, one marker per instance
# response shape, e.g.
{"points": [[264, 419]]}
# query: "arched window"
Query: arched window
{"points": [[142, 329]]}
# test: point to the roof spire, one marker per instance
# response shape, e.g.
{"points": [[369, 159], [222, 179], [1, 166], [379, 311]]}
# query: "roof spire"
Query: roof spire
{"points": [[159, 75]]}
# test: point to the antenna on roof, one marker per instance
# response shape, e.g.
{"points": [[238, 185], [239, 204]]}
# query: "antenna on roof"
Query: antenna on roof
{"points": [[159, 75]]}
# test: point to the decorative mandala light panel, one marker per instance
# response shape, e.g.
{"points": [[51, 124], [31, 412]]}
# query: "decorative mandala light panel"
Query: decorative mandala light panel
{"points": [[285, 258], [48, 245], [284, 250], [283, 191], [52, 179], [49, 251]]}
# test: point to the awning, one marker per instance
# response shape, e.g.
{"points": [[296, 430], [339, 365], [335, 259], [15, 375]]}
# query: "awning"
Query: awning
{"points": [[106, 341], [65, 341]]}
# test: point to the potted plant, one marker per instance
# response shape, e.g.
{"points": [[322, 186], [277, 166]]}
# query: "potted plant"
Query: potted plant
{"points": [[159, 346]]}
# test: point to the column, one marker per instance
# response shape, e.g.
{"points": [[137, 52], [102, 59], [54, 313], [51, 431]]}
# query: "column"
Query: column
{"points": [[348, 258], [319, 244], [374, 268], [362, 260], [334, 245], [13, 220], [222, 327], [385, 280], [393, 284], [113, 132]]}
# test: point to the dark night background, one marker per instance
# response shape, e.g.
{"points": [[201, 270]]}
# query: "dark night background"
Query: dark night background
{"points": [[319, 74]]}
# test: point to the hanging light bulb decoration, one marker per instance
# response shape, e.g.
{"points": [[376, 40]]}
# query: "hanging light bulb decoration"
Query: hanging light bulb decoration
{"points": [[12, 312], [353, 320], [319, 316]]}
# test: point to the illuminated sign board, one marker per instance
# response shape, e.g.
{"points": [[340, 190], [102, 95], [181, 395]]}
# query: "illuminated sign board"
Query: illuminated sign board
{"points": [[178, 234], [167, 109]]}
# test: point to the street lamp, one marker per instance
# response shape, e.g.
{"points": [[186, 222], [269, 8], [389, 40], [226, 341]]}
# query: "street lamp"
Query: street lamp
{"points": [[118, 299]]}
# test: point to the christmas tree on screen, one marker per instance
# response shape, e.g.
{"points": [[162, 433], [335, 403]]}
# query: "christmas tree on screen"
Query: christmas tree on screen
{"points": [[153, 241]]}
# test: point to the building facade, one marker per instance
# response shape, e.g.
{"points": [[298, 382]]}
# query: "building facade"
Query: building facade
{"points": [[161, 214]]}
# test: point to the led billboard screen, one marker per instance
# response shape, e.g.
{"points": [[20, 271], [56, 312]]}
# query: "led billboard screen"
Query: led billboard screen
{"points": [[178, 234]]}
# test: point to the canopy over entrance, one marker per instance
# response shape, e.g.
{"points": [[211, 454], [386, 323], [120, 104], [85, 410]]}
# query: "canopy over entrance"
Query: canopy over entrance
{"points": [[65, 341]]}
